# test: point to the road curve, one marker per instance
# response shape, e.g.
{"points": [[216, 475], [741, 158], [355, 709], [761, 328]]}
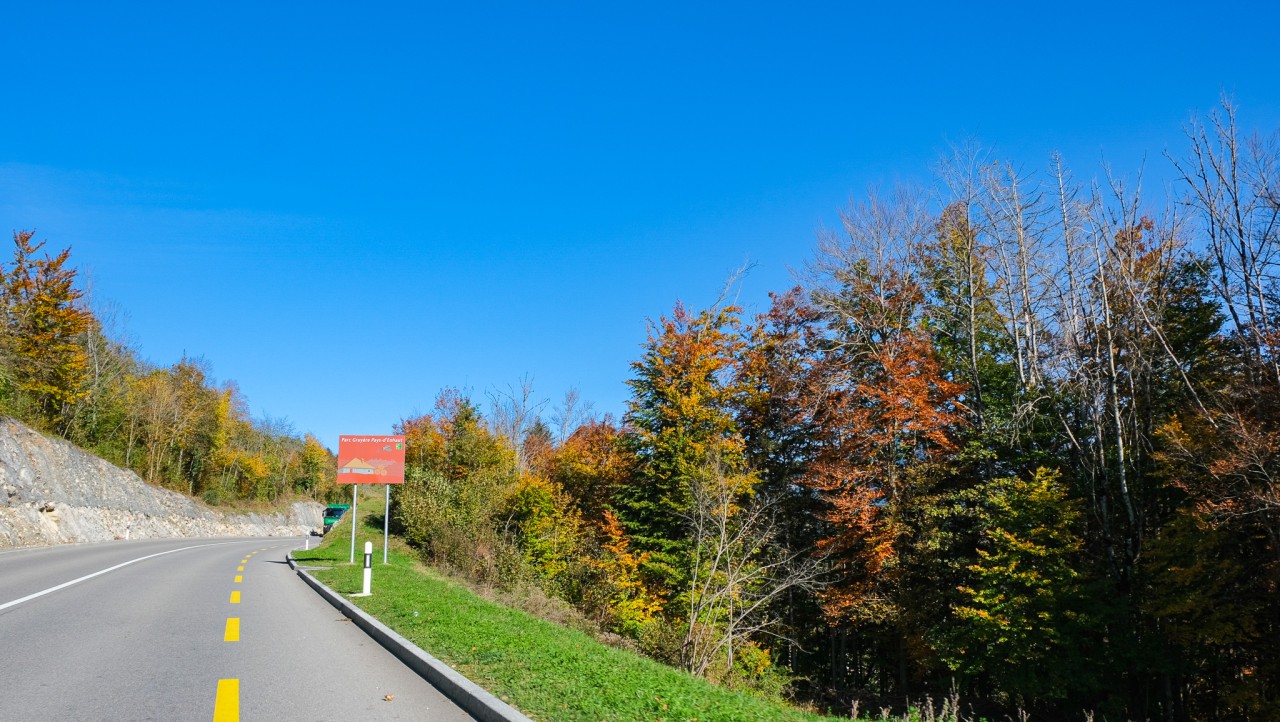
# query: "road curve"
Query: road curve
{"points": [[172, 630]]}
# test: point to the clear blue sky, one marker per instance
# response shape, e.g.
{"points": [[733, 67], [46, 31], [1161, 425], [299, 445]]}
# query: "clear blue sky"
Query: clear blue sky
{"points": [[345, 208]]}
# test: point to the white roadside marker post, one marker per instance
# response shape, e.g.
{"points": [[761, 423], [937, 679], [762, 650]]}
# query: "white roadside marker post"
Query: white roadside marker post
{"points": [[368, 569]]}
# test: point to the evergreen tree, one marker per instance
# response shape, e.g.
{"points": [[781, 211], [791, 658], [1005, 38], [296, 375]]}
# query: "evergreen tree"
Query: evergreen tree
{"points": [[681, 415]]}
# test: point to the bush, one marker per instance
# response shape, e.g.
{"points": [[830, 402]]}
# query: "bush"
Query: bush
{"points": [[452, 521]]}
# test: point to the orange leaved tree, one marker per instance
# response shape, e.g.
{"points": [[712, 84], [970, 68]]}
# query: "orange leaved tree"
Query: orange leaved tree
{"points": [[43, 321], [885, 416]]}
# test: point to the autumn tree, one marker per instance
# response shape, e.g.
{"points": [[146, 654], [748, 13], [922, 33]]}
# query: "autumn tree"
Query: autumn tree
{"points": [[776, 363], [1226, 459], [776, 370], [173, 415], [1213, 582], [591, 465], [885, 413], [460, 479], [318, 469], [681, 413], [551, 532], [619, 596], [42, 326]]}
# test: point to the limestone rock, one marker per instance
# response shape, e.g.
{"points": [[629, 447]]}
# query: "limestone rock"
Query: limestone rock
{"points": [[52, 492]]}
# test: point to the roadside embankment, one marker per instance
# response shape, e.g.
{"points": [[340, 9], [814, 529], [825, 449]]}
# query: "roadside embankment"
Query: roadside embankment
{"points": [[52, 493], [545, 670]]}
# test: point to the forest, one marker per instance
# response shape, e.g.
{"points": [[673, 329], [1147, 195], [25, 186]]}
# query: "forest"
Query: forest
{"points": [[1013, 439], [65, 371]]}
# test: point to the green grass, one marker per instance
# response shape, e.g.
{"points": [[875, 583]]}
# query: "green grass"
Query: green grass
{"points": [[548, 672]]}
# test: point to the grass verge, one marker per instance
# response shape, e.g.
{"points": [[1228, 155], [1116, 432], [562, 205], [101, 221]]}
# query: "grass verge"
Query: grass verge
{"points": [[550, 673]]}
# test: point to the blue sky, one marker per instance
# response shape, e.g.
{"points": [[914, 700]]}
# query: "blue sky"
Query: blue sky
{"points": [[347, 209]]}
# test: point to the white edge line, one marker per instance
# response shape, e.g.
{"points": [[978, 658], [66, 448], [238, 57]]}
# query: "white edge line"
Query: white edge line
{"points": [[64, 585]]}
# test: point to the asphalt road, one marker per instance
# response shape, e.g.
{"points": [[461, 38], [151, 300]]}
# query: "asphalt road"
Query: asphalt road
{"points": [[155, 639]]}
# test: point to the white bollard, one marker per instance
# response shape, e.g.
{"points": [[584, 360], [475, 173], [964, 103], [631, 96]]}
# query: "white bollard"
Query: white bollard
{"points": [[368, 567]]}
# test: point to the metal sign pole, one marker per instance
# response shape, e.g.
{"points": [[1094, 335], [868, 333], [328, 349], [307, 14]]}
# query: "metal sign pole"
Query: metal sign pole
{"points": [[386, 525], [354, 488]]}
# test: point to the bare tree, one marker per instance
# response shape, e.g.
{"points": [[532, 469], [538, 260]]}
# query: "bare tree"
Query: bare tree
{"points": [[111, 361], [739, 568], [571, 413], [513, 413], [964, 303], [857, 277], [1013, 211], [1233, 191]]}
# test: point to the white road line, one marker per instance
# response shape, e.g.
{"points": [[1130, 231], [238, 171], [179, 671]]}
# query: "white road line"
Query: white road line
{"points": [[64, 585]]}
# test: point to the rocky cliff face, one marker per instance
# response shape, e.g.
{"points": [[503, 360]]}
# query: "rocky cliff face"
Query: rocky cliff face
{"points": [[51, 493]]}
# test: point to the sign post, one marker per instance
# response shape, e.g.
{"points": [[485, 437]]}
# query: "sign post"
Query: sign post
{"points": [[355, 514], [370, 460]]}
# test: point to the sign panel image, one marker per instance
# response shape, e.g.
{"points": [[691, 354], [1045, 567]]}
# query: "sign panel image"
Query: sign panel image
{"points": [[370, 459]]}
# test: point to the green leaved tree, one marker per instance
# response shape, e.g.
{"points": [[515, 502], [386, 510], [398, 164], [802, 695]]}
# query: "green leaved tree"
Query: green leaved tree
{"points": [[1023, 620]]}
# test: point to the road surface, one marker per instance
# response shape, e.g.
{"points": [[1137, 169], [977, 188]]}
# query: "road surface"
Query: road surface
{"points": [[189, 629]]}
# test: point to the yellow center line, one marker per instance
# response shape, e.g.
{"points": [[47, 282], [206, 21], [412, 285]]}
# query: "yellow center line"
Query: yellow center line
{"points": [[239, 578], [226, 706], [233, 630], [240, 568], [245, 560], [235, 597]]}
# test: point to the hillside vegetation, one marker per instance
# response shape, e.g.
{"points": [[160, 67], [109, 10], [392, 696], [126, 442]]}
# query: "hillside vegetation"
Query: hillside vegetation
{"points": [[61, 372], [545, 670], [1016, 436]]}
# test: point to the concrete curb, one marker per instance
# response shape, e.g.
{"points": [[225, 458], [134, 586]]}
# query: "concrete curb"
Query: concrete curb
{"points": [[473, 698]]}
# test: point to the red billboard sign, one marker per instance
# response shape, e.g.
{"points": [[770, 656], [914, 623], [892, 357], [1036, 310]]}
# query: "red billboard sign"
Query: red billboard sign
{"points": [[370, 459]]}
